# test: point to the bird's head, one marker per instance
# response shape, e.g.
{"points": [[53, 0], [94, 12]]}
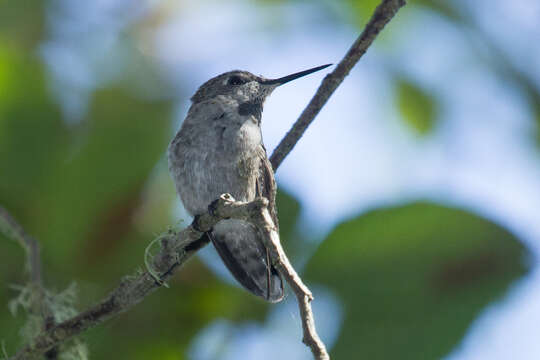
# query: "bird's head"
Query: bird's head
{"points": [[244, 87]]}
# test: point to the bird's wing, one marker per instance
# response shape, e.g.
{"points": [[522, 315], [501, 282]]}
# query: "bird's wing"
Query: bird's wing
{"points": [[266, 184], [266, 187], [239, 244]]}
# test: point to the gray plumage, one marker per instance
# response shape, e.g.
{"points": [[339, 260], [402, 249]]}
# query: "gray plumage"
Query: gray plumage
{"points": [[219, 149]]}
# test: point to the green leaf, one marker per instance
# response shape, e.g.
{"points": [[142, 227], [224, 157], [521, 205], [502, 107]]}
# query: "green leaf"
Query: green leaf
{"points": [[31, 130], [417, 107], [413, 278], [288, 210], [94, 189], [363, 9]]}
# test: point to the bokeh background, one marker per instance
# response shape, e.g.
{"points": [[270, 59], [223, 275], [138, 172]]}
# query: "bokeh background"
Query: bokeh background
{"points": [[411, 206]]}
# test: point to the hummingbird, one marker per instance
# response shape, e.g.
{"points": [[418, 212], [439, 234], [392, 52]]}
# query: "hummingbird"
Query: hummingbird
{"points": [[219, 149]]}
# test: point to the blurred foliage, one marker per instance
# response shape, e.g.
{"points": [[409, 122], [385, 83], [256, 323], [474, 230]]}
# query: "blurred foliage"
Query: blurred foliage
{"points": [[417, 107], [289, 210], [21, 23], [362, 9], [413, 278], [288, 216]]}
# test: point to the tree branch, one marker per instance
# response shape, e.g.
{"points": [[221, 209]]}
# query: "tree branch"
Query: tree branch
{"points": [[382, 15], [11, 228], [177, 248]]}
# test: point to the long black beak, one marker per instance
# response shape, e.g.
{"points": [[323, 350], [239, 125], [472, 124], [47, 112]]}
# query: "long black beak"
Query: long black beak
{"points": [[294, 76]]}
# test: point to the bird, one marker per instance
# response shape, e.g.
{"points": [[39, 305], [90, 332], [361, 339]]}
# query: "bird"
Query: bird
{"points": [[219, 149]]}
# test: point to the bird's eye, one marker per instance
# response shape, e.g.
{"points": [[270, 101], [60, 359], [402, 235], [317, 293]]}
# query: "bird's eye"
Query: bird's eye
{"points": [[236, 80]]}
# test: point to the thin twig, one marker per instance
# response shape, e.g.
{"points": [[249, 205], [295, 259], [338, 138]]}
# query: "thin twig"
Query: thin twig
{"points": [[382, 15], [11, 228], [264, 222]]}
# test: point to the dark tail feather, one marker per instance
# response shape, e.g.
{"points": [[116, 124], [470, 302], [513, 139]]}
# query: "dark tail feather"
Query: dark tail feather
{"points": [[247, 259]]}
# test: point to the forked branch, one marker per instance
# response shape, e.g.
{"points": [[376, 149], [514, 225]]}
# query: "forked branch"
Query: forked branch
{"points": [[179, 247]]}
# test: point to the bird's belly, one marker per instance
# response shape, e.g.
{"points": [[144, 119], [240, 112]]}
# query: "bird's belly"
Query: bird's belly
{"points": [[201, 177]]}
